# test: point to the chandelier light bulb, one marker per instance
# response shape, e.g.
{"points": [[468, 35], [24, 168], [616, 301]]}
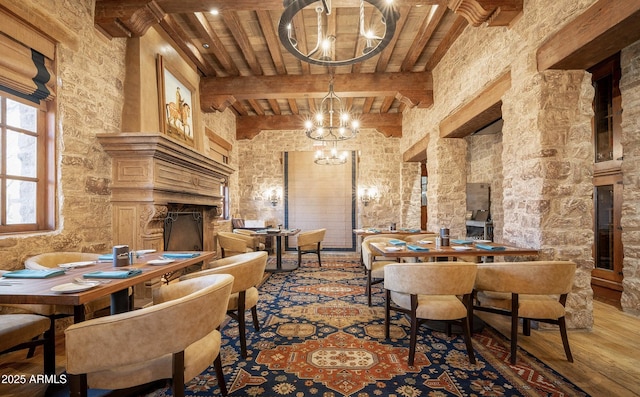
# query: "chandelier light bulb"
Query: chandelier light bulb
{"points": [[331, 122]]}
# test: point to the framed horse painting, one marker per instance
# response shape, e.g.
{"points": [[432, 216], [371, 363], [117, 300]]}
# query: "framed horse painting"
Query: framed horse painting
{"points": [[175, 95]]}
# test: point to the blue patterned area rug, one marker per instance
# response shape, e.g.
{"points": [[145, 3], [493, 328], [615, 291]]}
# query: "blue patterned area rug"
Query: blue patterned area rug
{"points": [[319, 338]]}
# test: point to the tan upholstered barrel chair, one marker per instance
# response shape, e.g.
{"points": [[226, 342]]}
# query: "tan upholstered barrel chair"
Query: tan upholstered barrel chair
{"points": [[231, 244], [175, 338], [26, 331], [53, 259], [374, 267], [430, 291], [248, 271], [535, 290], [310, 242]]}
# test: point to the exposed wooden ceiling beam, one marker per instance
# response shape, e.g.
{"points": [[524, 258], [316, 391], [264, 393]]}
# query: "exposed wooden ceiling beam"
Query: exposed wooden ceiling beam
{"points": [[247, 127], [456, 30], [418, 151], [273, 43], [483, 109], [415, 89], [232, 21], [429, 25], [604, 29]]}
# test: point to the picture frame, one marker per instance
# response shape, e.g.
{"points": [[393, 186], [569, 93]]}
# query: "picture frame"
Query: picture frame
{"points": [[175, 96]]}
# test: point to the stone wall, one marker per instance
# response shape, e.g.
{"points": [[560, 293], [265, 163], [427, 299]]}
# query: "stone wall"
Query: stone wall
{"points": [[89, 101], [543, 161], [262, 171], [630, 90]]}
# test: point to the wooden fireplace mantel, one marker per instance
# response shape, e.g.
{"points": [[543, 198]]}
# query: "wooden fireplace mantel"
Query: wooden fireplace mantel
{"points": [[151, 171]]}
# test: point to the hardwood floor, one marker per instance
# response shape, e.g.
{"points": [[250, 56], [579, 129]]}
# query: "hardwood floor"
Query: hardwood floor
{"points": [[606, 358]]}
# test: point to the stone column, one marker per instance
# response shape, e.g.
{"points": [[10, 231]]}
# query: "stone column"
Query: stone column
{"points": [[547, 164], [630, 91], [447, 195]]}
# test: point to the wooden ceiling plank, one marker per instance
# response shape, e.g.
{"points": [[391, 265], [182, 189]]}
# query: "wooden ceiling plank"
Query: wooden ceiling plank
{"points": [[240, 109], [301, 33], [247, 127], [183, 41], [385, 55], [602, 30], [293, 106], [368, 103], [241, 38], [256, 107], [386, 104], [485, 107], [273, 42], [218, 50], [452, 35], [275, 107], [429, 26]]}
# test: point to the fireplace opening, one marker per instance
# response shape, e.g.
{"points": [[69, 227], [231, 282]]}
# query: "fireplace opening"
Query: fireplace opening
{"points": [[183, 231]]}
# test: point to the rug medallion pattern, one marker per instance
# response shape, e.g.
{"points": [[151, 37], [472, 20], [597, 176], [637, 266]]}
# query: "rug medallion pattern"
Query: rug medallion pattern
{"points": [[319, 338]]}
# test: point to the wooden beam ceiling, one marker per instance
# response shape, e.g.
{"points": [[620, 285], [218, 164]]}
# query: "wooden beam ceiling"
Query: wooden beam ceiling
{"points": [[604, 29], [415, 89]]}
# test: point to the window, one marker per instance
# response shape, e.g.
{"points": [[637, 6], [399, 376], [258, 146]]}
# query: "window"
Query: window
{"points": [[24, 168], [607, 107]]}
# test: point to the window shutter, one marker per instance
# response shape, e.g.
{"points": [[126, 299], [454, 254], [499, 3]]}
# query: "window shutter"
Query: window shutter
{"points": [[25, 72]]}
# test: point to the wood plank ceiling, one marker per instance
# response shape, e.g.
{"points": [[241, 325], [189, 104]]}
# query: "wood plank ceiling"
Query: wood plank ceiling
{"points": [[244, 66]]}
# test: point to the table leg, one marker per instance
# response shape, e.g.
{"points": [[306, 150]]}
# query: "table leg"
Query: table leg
{"points": [[120, 301], [279, 252]]}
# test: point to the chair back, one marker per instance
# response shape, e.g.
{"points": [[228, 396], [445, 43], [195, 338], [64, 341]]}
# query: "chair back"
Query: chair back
{"points": [[143, 335], [53, 259], [247, 270], [434, 278], [418, 237], [387, 235], [367, 254], [531, 278], [234, 243], [310, 238]]}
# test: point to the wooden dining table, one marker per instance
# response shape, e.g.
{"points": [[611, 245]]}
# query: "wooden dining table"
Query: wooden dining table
{"points": [[39, 290], [279, 234], [471, 250]]}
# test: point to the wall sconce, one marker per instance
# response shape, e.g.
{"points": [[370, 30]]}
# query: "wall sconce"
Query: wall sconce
{"points": [[368, 194], [273, 197]]}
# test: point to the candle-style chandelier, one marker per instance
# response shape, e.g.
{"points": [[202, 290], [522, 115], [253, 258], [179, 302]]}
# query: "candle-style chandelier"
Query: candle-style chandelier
{"points": [[332, 122], [374, 38], [331, 156]]}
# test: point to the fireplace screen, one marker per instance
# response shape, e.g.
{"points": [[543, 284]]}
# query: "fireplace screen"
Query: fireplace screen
{"points": [[183, 231]]}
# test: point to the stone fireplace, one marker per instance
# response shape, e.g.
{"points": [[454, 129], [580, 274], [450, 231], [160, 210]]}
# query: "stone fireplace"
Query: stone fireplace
{"points": [[153, 178], [153, 175]]}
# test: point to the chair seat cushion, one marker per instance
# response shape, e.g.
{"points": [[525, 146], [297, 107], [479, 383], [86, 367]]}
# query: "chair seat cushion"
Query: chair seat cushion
{"points": [[19, 328], [377, 268], [198, 356], [251, 299], [530, 306], [433, 307]]}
